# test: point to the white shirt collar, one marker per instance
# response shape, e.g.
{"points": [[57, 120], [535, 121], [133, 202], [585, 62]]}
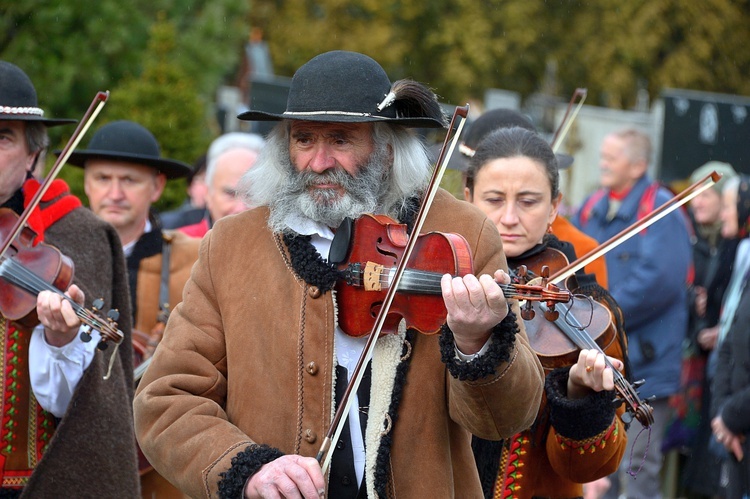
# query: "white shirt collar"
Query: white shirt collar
{"points": [[128, 248], [322, 235]]}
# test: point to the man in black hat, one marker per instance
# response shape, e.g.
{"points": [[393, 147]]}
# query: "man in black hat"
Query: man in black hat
{"points": [[242, 389], [66, 430], [124, 174]]}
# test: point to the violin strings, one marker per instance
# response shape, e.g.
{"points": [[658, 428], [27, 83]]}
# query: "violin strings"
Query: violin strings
{"points": [[429, 282], [582, 339], [416, 280], [21, 276]]}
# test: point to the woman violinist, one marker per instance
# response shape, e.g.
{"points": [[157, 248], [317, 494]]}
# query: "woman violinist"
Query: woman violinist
{"points": [[577, 437]]}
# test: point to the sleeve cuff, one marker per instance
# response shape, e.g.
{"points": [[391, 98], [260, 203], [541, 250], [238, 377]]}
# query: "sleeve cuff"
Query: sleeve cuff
{"points": [[499, 348], [464, 357], [577, 419], [245, 465]]}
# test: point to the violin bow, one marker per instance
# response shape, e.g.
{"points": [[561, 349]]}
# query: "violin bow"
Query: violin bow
{"points": [[565, 124], [337, 425], [653, 217]]}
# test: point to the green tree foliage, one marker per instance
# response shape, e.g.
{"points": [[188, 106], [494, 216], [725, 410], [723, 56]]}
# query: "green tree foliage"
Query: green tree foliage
{"points": [[664, 43], [463, 47], [73, 48], [164, 100]]}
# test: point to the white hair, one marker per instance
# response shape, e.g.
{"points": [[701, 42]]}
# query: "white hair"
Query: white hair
{"points": [[732, 184], [408, 177], [227, 142]]}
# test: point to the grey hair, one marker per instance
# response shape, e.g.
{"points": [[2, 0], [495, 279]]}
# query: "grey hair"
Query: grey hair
{"points": [[37, 140], [732, 184], [637, 144], [227, 142], [408, 177], [36, 136]]}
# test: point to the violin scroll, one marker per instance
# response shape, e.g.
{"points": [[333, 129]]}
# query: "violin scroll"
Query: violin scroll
{"points": [[635, 408]]}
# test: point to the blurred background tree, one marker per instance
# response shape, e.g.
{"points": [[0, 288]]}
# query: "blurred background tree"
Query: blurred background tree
{"points": [[464, 47], [162, 61], [164, 100], [620, 50]]}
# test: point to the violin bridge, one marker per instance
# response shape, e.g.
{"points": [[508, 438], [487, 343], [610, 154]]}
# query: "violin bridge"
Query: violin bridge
{"points": [[371, 276]]}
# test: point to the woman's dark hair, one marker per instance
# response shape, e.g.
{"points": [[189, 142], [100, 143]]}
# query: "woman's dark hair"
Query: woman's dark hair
{"points": [[510, 143]]}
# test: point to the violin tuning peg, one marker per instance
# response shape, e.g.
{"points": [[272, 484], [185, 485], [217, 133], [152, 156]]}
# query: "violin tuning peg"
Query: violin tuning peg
{"points": [[113, 315], [527, 314], [98, 304], [639, 383], [627, 418], [85, 334], [551, 315], [522, 272], [617, 402], [102, 345]]}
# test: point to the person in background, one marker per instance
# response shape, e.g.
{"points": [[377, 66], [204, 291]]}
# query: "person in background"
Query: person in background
{"points": [[193, 209], [577, 437], [67, 431], [124, 174], [731, 383], [648, 278], [243, 388], [229, 157], [713, 259], [561, 227]]}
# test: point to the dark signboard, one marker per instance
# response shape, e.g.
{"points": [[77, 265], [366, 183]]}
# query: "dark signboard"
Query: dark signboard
{"points": [[701, 127], [268, 94]]}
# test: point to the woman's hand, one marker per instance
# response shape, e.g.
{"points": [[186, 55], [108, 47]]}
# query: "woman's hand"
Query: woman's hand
{"points": [[591, 374], [707, 337], [731, 442]]}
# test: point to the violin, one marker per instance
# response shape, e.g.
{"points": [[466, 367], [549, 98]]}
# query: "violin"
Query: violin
{"points": [[374, 244], [26, 271], [560, 331]]}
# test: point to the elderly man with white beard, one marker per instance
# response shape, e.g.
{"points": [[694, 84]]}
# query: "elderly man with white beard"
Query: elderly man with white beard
{"points": [[244, 386]]}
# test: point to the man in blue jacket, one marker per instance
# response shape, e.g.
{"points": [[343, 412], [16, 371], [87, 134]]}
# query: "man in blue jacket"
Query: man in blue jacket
{"points": [[647, 276]]}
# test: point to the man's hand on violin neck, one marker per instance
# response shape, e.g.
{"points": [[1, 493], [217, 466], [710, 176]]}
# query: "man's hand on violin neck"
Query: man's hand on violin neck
{"points": [[474, 307], [57, 315]]}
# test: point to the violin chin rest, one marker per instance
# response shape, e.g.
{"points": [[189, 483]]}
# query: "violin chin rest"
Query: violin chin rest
{"points": [[339, 251]]}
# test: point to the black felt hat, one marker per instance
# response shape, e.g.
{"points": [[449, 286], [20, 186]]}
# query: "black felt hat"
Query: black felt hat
{"points": [[501, 118], [350, 87], [18, 101], [131, 142]]}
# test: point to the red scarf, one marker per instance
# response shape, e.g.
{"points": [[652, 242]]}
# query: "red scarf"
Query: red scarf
{"points": [[55, 204]]}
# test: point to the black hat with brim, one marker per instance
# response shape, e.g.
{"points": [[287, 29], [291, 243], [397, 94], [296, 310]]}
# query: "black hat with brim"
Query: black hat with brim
{"points": [[18, 100], [349, 87], [130, 142]]}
